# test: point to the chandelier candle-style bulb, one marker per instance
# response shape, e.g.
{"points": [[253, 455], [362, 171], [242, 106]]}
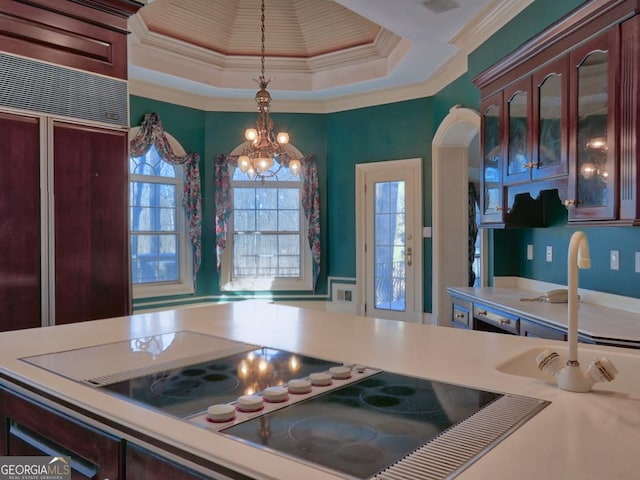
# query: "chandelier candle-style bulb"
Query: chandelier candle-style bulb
{"points": [[244, 163], [294, 166], [283, 138], [251, 134]]}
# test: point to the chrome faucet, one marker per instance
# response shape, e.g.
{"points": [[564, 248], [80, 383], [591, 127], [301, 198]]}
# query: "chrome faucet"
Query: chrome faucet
{"points": [[570, 376]]}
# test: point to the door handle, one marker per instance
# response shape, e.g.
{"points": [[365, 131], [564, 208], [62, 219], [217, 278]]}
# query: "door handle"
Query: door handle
{"points": [[409, 256]]}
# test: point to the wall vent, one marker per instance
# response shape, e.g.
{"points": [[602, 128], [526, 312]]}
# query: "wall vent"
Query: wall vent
{"points": [[53, 90]]}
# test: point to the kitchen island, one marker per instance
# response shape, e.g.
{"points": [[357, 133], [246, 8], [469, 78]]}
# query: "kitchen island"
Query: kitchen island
{"points": [[577, 436]]}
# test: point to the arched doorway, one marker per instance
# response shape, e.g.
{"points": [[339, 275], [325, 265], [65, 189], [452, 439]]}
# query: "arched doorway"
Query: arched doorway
{"points": [[456, 157]]}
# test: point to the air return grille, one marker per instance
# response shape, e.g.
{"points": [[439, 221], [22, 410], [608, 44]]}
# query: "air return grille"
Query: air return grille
{"points": [[53, 90], [454, 450]]}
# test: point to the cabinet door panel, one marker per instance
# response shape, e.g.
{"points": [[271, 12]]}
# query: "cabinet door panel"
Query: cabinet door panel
{"points": [[550, 119], [31, 429], [491, 196], [144, 465], [593, 177], [20, 300], [91, 235], [518, 162]]}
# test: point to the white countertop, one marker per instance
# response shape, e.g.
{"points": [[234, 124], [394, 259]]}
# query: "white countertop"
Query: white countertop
{"points": [[578, 436], [596, 321]]}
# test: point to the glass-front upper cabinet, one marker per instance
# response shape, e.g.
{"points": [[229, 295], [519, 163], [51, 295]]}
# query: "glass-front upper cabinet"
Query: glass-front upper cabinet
{"points": [[550, 114], [592, 180], [518, 163], [491, 195]]}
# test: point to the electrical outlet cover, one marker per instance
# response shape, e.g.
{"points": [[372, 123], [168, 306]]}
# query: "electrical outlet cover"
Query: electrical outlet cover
{"points": [[549, 253]]}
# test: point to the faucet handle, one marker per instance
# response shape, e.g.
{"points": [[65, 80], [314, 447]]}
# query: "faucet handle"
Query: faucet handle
{"points": [[549, 362], [602, 370]]}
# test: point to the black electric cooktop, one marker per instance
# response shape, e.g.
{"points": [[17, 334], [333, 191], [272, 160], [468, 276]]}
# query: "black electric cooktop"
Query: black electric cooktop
{"points": [[186, 391], [361, 428]]}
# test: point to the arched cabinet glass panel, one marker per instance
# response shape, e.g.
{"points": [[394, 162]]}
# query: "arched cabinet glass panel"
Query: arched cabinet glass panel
{"points": [[592, 180], [551, 120], [518, 158], [492, 161], [592, 131]]}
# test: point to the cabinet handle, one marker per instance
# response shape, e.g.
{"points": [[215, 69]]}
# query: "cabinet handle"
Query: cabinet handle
{"points": [[460, 315], [529, 165], [571, 203], [505, 321], [482, 312]]}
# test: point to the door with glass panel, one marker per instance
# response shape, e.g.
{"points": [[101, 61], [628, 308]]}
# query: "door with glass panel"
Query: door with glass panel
{"points": [[393, 257]]}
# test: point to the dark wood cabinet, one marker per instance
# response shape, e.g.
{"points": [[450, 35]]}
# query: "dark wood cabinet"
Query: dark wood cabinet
{"points": [[141, 464], [63, 230], [90, 212], [29, 428], [20, 281], [572, 115]]}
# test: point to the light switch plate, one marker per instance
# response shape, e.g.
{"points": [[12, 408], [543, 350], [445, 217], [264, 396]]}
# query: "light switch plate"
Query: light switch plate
{"points": [[549, 253], [637, 262], [614, 259], [529, 252]]}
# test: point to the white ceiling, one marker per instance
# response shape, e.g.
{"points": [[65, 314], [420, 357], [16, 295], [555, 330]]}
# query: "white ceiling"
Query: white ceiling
{"points": [[334, 54]]}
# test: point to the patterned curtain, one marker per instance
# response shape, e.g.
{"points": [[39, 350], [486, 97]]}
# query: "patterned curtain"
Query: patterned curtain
{"points": [[152, 133], [310, 204], [474, 199], [223, 203]]}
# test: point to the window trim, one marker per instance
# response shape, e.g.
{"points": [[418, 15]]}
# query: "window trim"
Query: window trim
{"points": [[303, 283], [185, 283]]}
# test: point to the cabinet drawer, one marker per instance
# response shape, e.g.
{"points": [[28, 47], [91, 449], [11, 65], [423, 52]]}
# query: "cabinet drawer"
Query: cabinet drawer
{"points": [[495, 318], [460, 313], [537, 330]]}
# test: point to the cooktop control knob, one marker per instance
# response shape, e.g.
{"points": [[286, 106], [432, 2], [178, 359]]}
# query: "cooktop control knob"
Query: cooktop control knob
{"points": [[340, 373], [300, 385], [275, 394], [221, 412], [360, 368], [250, 403], [320, 379]]}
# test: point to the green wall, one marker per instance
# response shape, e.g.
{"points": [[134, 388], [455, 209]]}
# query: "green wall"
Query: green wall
{"points": [[400, 130]]}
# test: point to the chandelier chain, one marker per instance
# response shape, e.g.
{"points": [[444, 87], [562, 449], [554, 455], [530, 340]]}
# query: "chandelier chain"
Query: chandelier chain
{"points": [[262, 38]]}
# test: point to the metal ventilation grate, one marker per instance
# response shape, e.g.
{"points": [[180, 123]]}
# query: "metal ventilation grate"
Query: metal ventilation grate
{"points": [[50, 89], [448, 454]]}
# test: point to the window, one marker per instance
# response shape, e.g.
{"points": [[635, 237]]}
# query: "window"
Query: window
{"points": [[161, 262], [268, 248]]}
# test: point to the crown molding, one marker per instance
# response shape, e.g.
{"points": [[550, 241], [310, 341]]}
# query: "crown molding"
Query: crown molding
{"points": [[491, 18]]}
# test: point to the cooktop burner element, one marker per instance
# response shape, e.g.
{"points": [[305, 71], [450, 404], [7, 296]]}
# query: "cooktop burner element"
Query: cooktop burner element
{"points": [[365, 427], [186, 391]]}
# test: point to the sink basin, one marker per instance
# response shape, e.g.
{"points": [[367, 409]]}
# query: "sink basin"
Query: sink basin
{"points": [[628, 365]]}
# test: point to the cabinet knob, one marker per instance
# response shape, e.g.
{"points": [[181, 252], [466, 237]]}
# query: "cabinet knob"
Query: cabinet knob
{"points": [[571, 203], [505, 321], [530, 165], [482, 312], [460, 315]]}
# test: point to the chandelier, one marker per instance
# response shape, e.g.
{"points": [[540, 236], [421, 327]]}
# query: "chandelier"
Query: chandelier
{"points": [[263, 147]]}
